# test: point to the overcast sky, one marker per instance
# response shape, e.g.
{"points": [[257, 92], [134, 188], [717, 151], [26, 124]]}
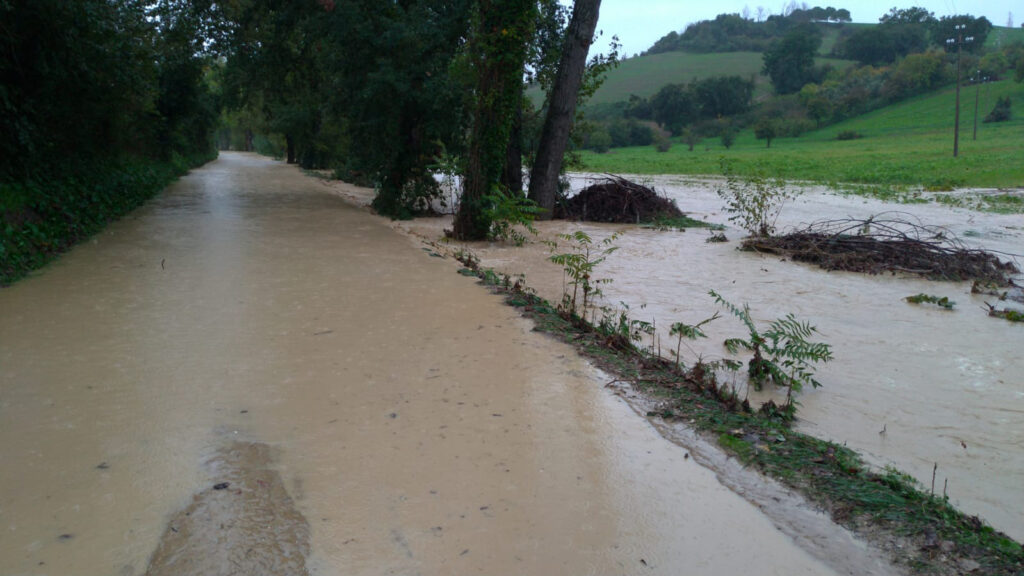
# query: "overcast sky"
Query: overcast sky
{"points": [[639, 23]]}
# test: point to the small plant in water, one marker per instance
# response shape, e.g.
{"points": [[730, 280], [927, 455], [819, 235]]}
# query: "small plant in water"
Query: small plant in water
{"points": [[578, 265], [690, 332], [943, 302], [754, 201], [782, 354]]}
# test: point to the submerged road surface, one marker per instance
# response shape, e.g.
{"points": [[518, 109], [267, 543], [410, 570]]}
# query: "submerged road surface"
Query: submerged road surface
{"points": [[250, 376]]}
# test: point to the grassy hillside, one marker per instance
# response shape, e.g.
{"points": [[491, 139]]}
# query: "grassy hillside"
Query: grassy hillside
{"points": [[645, 75], [907, 144], [1001, 36]]}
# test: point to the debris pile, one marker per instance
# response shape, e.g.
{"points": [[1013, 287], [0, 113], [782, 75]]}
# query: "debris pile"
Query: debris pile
{"points": [[887, 243], [617, 200]]}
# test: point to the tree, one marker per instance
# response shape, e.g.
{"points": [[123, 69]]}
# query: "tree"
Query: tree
{"points": [[562, 105], [502, 32], [976, 28], [720, 96], [673, 107], [692, 137], [728, 137], [912, 15], [790, 62], [767, 129]]}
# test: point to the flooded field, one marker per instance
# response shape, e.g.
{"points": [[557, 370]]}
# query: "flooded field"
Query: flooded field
{"points": [[911, 386], [250, 363]]}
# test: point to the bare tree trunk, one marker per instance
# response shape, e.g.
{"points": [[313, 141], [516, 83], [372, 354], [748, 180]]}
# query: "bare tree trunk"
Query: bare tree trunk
{"points": [[562, 106]]}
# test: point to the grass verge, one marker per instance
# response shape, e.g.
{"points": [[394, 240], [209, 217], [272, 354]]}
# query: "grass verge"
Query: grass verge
{"points": [[918, 528]]}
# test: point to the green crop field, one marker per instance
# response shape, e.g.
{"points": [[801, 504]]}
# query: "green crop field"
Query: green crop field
{"points": [[907, 144]]}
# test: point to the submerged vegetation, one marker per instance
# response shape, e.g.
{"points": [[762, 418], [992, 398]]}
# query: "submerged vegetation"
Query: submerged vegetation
{"points": [[942, 302]]}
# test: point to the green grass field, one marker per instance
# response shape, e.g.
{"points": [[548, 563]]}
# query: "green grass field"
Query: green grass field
{"points": [[907, 144]]}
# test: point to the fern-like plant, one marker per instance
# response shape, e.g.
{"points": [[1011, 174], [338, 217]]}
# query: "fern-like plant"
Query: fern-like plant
{"points": [[579, 264], [783, 355]]}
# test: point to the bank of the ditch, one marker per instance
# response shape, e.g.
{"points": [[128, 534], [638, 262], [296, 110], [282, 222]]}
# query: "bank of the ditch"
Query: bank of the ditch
{"points": [[917, 527], [46, 215]]}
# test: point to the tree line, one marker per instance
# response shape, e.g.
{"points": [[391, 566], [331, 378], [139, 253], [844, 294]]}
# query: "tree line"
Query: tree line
{"points": [[384, 92]]}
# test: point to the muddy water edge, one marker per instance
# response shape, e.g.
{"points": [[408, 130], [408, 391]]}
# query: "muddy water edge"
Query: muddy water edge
{"points": [[250, 371]]}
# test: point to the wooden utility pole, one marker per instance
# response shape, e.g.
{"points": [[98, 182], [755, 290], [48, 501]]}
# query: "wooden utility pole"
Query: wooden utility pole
{"points": [[959, 41]]}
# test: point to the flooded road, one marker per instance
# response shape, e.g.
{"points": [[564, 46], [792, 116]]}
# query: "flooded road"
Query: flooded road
{"points": [[947, 388], [254, 362]]}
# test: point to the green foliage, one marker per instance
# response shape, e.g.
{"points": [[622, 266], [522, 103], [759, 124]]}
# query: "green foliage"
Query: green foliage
{"points": [[755, 200], [943, 302], [790, 62], [767, 129], [1001, 112], [507, 211], [98, 79], [728, 137], [578, 265], [662, 143], [976, 28], [501, 32], [673, 107], [690, 332], [43, 217], [733, 32], [620, 331], [599, 140], [849, 135], [782, 354]]}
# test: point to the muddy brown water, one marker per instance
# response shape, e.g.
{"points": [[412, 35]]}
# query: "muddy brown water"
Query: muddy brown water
{"points": [[947, 388], [370, 411]]}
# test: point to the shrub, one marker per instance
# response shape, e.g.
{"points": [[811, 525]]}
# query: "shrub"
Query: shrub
{"points": [[849, 135], [754, 201], [1001, 113], [662, 143], [728, 137]]}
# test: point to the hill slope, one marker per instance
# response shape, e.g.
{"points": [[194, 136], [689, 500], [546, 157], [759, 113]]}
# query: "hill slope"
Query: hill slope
{"points": [[907, 144], [645, 75]]}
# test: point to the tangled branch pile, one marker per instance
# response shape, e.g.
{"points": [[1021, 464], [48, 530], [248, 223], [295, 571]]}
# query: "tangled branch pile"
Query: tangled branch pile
{"points": [[890, 243], [617, 200]]}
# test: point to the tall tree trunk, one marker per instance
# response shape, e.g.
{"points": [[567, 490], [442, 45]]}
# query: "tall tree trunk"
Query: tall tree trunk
{"points": [[504, 29], [512, 177], [562, 106]]}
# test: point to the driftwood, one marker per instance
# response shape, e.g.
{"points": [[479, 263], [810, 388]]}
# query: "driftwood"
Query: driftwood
{"points": [[617, 200], [887, 243]]}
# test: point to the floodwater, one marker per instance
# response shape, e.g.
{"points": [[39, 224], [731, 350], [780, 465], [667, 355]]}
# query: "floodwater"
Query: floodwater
{"points": [[911, 386], [250, 366]]}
